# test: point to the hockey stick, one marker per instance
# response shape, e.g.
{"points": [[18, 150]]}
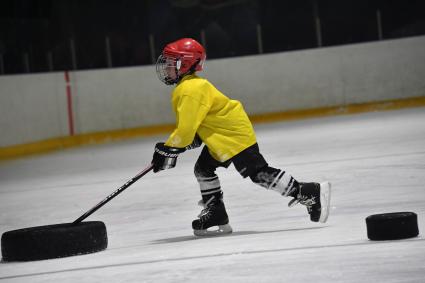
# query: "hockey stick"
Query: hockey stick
{"points": [[114, 194]]}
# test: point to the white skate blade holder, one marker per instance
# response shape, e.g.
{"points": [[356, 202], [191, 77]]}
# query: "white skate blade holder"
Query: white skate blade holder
{"points": [[214, 231], [325, 201]]}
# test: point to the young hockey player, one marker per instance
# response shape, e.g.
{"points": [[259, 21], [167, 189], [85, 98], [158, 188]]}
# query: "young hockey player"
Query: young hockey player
{"points": [[205, 115]]}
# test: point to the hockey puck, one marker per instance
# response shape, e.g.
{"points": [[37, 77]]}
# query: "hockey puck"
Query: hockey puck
{"points": [[54, 241], [392, 226]]}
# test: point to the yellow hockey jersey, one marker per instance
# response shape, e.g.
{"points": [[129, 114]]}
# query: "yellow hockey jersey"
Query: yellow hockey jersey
{"points": [[220, 122]]}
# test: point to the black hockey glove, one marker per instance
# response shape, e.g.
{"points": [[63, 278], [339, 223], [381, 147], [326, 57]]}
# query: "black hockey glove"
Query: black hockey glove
{"points": [[197, 142], [165, 157]]}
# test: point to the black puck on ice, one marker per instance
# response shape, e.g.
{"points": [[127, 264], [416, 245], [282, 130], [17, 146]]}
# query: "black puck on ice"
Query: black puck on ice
{"points": [[54, 241], [392, 226]]}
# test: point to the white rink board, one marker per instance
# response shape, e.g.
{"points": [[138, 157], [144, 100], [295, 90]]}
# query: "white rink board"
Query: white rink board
{"points": [[324, 77], [375, 162], [33, 107]]}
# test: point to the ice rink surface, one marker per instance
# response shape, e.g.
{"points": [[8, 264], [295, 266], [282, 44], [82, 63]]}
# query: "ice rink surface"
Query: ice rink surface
{"points": [[375, 161]]}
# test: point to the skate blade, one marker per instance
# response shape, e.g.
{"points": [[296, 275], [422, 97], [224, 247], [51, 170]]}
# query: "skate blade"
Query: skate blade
{"points": [[325, 201], [220, 230]]}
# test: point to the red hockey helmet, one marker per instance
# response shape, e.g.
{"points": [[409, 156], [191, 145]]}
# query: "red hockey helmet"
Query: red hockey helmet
{"points": [[180, 58]]}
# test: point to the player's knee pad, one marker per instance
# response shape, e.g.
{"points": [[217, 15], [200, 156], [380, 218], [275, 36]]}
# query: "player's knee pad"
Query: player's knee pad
{"points": [[201, 171]]}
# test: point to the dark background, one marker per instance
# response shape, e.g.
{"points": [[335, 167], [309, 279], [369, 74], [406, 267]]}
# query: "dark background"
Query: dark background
{"points": [[52, 35]]}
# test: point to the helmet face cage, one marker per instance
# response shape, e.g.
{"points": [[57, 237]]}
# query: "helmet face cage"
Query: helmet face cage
{"points": [[179, 58], [167, 69]]}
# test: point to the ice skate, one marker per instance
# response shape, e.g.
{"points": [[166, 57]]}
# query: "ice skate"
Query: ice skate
{"points": [[316, 197], [213, 219]]}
